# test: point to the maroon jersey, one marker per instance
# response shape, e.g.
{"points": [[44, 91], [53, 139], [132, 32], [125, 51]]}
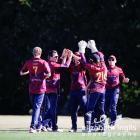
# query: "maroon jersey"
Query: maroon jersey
{"points": [[113, 77], [97, 75], [53, 82], [78, 77], [37, 68]]}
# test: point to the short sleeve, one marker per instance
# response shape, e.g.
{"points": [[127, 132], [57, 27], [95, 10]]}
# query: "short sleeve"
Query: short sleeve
{"points": [[47, 67]]}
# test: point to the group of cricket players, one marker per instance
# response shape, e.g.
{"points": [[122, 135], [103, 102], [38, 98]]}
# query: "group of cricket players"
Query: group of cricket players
{"points": [[94, 87]]}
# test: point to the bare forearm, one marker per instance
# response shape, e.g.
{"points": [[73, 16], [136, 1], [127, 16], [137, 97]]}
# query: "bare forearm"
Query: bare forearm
{"points": [[24, 73]]}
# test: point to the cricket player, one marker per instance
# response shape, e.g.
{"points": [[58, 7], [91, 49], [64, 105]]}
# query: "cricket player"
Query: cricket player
{"points": [[53, 83], [38, 70], [114, 73], [97, 72], [78, 97]]}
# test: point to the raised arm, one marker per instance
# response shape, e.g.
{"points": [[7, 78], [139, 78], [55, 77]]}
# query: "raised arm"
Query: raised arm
{"points": [[82, 46], [66, 58]]}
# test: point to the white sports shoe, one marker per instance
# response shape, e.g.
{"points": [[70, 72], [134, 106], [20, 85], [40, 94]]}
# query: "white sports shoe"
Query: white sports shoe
{"points": [[112, 127], [72, 130], [86, 130], [49, 129], [31, 130], [44, 129]]}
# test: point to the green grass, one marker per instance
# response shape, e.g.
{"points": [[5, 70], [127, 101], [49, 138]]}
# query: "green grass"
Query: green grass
{"points": [[63, 136], [16, 128]]}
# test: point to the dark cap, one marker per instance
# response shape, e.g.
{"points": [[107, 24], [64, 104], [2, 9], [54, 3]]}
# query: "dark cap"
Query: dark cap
{"points": [[95, 58]]}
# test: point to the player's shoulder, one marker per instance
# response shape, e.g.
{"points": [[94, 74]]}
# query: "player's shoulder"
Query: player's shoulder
{"points": [[118, 68], [42, 60], [55, 64], [29, 61]]}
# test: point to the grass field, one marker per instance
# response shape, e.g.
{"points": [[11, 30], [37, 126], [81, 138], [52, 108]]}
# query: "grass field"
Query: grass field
{"points": [[16, 128]]}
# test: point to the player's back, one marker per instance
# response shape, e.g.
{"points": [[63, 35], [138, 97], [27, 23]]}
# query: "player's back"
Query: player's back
{"points": [[98, 78], [78, 77], [37, 68]]}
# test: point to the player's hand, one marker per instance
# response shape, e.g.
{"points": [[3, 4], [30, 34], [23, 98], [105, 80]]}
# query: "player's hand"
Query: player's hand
{"points": [[91, 45], [82, 46], [70, 53], [126, 80], [47, 75], [64, 53]]}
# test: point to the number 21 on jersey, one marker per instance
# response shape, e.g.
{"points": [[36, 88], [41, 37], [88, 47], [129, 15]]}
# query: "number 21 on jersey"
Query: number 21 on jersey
{"points": [[101, 76]]}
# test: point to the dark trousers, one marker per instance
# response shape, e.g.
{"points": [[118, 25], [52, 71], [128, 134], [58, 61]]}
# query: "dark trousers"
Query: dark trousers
{"points": [[111, 100], [45, 118], [95, 106], [51, 109], [77, 99], [36, 101]]}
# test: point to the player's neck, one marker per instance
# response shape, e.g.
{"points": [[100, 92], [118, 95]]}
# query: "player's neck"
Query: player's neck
{"points": [[112, 66]]}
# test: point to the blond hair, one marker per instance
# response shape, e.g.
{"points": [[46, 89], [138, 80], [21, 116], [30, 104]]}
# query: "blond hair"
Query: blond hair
{"points": [[37, 51]]}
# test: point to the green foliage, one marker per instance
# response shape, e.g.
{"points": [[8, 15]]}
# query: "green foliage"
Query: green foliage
{"points": [[25, 2], [130, 98]]}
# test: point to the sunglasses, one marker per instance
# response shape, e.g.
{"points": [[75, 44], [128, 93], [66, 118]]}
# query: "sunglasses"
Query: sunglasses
{"points": [[55, 56], [111, 59]]}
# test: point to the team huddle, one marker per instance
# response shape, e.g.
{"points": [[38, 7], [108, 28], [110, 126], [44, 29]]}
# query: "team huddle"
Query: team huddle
{"points": [[96, 95]]}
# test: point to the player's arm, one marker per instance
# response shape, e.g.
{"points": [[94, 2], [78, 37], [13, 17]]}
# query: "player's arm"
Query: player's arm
{"points": [[122, 75], [66, 59], [64, 56], [82, 46], [69, 58], [47, 70], [76, 57], [24, 73], [24, 70]]}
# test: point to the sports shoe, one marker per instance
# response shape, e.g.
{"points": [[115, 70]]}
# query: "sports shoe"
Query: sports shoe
{"points": [[31, 130], [58, 130], [49, 129], [86, 130], [72, 130], [44, 129], [112, 127], [39, 128]]}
